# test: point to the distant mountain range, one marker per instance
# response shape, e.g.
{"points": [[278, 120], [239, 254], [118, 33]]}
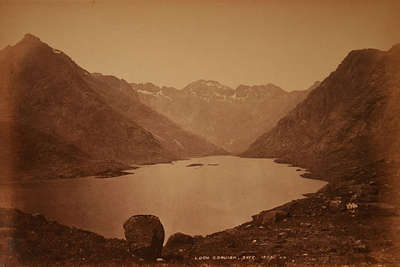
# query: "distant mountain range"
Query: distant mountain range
{"points": [[346, 126], [59, 120], [229, 118]]}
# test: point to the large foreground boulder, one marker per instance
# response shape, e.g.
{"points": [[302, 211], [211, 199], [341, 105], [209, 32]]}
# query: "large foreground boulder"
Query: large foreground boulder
{"points": [[145, 236]]}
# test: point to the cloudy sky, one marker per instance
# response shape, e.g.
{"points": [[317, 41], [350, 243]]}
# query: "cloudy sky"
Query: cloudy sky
{"points": [[288, 43]]}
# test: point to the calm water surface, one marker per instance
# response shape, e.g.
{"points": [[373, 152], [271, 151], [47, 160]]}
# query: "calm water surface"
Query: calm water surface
{"points": [[193, 200]]}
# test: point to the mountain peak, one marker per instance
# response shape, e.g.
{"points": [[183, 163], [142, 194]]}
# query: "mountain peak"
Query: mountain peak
{"points": [[258, 91], [146, 87], [30, 41], [264, 86], [30, 37], [207, 83]]}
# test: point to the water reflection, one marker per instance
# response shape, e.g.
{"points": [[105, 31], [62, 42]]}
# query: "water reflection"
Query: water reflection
{"points": [[214, 194]]}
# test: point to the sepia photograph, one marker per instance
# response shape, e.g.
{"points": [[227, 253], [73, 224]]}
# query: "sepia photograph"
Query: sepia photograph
{"points": [[199, 133]]}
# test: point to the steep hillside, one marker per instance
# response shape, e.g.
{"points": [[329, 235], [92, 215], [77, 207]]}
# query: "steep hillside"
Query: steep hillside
{"points": [[122, 98], [59, 120], [346, 127], [230, 118]]}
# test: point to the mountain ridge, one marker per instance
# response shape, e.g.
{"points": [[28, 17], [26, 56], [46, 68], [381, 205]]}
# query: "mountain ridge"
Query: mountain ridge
{"points": [[67, 109], [347, 124], [230, 118]]}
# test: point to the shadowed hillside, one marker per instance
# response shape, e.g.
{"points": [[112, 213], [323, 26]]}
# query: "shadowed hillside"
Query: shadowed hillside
{"points": [[346, 126], [61, 121]]}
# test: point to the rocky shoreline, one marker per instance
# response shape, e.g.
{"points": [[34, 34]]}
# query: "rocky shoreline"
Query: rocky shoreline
{"points": [[345, 223], [29, 240]]}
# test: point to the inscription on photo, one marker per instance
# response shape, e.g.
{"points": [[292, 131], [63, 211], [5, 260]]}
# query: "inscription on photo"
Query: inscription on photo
{"points": [[234, 257]]}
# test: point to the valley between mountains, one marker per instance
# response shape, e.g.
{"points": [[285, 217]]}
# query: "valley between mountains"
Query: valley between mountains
{"points": [[229, 118], [61, 121]]}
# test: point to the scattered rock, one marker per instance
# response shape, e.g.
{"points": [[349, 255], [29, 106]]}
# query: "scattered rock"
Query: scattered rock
{"points": [[352, 207], [145, 236], [283, 235], [335, 205], [359, 246], [363, 192], [269, 216]]}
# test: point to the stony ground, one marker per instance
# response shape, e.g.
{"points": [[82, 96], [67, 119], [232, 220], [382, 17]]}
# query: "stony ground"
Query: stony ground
{"points": [[34, 241], [318, 230], [353, 222]]}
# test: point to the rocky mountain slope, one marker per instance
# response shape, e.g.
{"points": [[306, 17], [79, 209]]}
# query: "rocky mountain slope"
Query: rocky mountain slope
{"points": [[229, 118], [347, 125], [60, 120], [123, 99]]}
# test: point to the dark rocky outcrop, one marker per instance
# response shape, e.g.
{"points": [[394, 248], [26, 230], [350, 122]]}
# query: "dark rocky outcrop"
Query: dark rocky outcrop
{"points": [[145, 236], [179, 239], [269, 216]]}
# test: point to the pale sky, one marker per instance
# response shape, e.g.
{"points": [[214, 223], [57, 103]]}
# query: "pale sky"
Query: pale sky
{"points": [[172, 43]]}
